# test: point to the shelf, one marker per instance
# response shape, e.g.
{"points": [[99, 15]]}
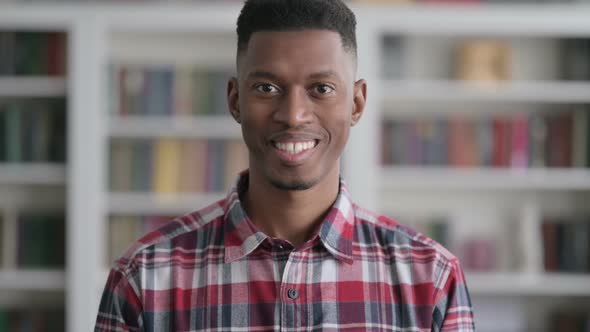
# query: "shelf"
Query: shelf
{"points": [[210, 127], [458, 91], [152, 203], [32, 280], [540, 20], [430, 178], [32, 174], [33, 87], [514, 284]]}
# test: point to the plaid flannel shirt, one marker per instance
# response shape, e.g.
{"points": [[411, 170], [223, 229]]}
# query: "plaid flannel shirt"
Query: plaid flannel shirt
{"points": [[213, 270]]}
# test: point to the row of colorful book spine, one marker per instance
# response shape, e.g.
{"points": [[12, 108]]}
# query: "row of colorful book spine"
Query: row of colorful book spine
{"points": [[33, 130], [170, 165], [490, 61], [566, 243], [522, 140], [125, 230], [168, 90], [32, 320], [33, 53]]}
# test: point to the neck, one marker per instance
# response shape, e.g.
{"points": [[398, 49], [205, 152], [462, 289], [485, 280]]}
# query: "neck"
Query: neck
{"points": [[291, 215]]}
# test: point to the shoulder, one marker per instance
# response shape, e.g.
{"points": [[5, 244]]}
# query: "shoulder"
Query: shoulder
{"points": [[394, 236], [189, 232]]}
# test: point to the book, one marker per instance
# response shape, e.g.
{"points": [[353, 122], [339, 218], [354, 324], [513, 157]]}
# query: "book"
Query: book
{"points": [[502, 142], [142, 165], [167, 155], [193, 166], [1, 240], [57, 54], [12, 132], [41, 241], [59, 129], [121, 165], [550, 245], [183, 94], [520, 142], [576, 59], [485, 62], [7, 49], [158, 94], [538, 141], [581, 137], [580, 245], [3, 133], [133, 85], [559, 140], [41, 133]]}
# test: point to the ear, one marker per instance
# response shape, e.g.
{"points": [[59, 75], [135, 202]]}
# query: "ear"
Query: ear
{"points": [[232, 99], [359, 101]]}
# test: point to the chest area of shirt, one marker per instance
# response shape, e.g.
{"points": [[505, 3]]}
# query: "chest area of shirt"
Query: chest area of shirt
{"points": [[288, 292]]}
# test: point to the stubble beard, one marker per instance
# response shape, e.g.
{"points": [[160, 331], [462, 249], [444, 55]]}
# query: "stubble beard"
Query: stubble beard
{"points": [[295, 185]]}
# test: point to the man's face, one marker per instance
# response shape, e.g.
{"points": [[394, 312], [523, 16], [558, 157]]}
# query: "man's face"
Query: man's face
{"points": [[296, 100]]}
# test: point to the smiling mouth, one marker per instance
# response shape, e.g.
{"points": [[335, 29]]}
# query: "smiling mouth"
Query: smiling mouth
{"points": [[294, 148]]}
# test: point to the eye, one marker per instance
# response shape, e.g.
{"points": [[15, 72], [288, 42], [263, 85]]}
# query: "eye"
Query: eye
{"points": [[323, 89], [266, 88]]}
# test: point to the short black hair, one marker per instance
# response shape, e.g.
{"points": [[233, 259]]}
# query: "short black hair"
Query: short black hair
{"points": [[293, 15]]}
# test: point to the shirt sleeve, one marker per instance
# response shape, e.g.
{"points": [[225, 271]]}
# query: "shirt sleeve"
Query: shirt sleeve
{"points": [[120, 307], [453, 311]]}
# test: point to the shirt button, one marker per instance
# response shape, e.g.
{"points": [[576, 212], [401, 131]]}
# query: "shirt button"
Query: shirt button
{"points": [[292, 293]]}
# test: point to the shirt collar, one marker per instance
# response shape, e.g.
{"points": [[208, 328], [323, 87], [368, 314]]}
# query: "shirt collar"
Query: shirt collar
{"points": [[242, 237]]}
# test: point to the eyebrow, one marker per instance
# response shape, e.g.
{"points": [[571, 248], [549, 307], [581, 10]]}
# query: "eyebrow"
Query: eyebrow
{"points": [[324, 74], [261, 74], [271, 76]]}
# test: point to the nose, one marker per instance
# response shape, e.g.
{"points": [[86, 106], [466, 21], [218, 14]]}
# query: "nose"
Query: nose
{"points": [[294, 109]]}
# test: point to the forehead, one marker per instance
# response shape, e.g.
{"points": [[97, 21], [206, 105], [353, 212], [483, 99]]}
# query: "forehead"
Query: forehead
{"points": [[296, 52]]}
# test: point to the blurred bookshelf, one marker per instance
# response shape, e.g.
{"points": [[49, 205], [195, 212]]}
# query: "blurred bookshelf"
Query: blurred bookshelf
{"points": [[476, 133], [33, 148], [484, 134]]}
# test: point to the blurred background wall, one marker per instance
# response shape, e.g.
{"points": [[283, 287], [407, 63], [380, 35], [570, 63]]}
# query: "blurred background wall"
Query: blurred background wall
{"points": [[113, 120]]}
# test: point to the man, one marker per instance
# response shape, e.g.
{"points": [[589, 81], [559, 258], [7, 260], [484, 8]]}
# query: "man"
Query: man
{"points": [[287, 249]]}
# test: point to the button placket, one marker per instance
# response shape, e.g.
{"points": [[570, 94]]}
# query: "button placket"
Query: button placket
{"points": [[288, 293]]}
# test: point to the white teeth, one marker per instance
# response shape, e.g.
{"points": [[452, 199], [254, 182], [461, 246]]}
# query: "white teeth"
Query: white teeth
{"points": [[294, 148]]}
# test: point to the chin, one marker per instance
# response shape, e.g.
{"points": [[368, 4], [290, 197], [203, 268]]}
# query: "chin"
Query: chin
{"points": [[295, 184]]}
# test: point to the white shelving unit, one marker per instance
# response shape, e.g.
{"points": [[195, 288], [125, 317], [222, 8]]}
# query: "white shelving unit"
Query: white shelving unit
{"points": [[441, 178], [203, 34], [33, 87], [35, 174], [213, 126]]}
